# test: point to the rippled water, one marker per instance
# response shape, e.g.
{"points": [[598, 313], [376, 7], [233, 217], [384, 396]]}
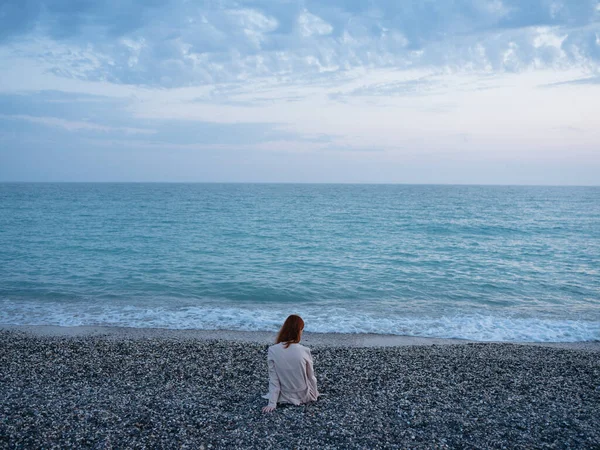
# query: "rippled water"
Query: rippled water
{"points": [[478, 262]]}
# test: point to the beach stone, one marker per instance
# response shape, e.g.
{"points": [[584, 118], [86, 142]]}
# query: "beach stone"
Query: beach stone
{"points": [[155, 392]]}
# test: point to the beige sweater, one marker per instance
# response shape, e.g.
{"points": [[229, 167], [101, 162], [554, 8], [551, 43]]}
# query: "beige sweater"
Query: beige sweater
{"points": [[291, 375]]}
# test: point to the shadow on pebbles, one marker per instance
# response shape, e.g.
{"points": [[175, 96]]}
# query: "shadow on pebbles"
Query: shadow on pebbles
{"points": [[100, 392]]}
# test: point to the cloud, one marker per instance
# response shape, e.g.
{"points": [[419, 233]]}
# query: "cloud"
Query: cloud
{"points": [[353, 83], [18, 17], [180, 43], [104, 119], [419, 86], [66, 106], [575, 82], [311, 25], [75, 125]]}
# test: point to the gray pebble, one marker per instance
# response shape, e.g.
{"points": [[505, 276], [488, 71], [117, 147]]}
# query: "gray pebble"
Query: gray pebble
{"points": [[96, 392]]}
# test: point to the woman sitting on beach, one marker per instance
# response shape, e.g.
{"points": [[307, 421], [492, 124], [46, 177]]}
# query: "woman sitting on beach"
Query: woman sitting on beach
{"points": [[291, 376]]}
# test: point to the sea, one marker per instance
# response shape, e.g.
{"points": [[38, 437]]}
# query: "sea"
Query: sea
{"points": [[487, 263]]}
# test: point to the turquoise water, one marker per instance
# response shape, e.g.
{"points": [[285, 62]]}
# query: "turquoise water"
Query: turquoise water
{"points": [[476, 262]]}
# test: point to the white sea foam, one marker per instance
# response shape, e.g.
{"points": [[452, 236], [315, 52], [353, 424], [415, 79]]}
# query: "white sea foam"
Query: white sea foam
{"points": [[478, 327]]}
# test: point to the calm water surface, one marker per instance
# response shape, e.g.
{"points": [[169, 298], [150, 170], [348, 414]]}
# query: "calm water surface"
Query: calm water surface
{"points": [[477, 262]]}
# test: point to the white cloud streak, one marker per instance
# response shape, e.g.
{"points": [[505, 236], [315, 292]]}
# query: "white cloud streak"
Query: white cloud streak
{"points": [[75, 126]]}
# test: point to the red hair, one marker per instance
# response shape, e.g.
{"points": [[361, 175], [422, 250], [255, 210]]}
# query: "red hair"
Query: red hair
{"points": [[290, 331]]}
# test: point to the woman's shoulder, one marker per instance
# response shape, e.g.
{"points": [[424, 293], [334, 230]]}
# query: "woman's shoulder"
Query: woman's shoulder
{"points": [[303, 348], [281, 346]]}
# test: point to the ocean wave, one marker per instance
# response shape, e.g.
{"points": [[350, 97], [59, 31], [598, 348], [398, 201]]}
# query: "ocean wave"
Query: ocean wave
{"points": [[478, 327]]}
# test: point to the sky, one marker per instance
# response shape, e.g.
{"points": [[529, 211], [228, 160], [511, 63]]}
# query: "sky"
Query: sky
{"points": [[328, 91]]}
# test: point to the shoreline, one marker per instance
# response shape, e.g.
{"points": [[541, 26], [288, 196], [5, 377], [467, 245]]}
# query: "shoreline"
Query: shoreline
{"points": [[355, 340]]}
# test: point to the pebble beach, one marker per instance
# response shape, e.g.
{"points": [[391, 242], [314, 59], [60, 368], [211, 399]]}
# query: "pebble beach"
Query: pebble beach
{"points": [[161, 390]]}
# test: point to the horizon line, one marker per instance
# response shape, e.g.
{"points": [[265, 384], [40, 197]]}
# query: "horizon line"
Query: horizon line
{"points": [[300, 182]]}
